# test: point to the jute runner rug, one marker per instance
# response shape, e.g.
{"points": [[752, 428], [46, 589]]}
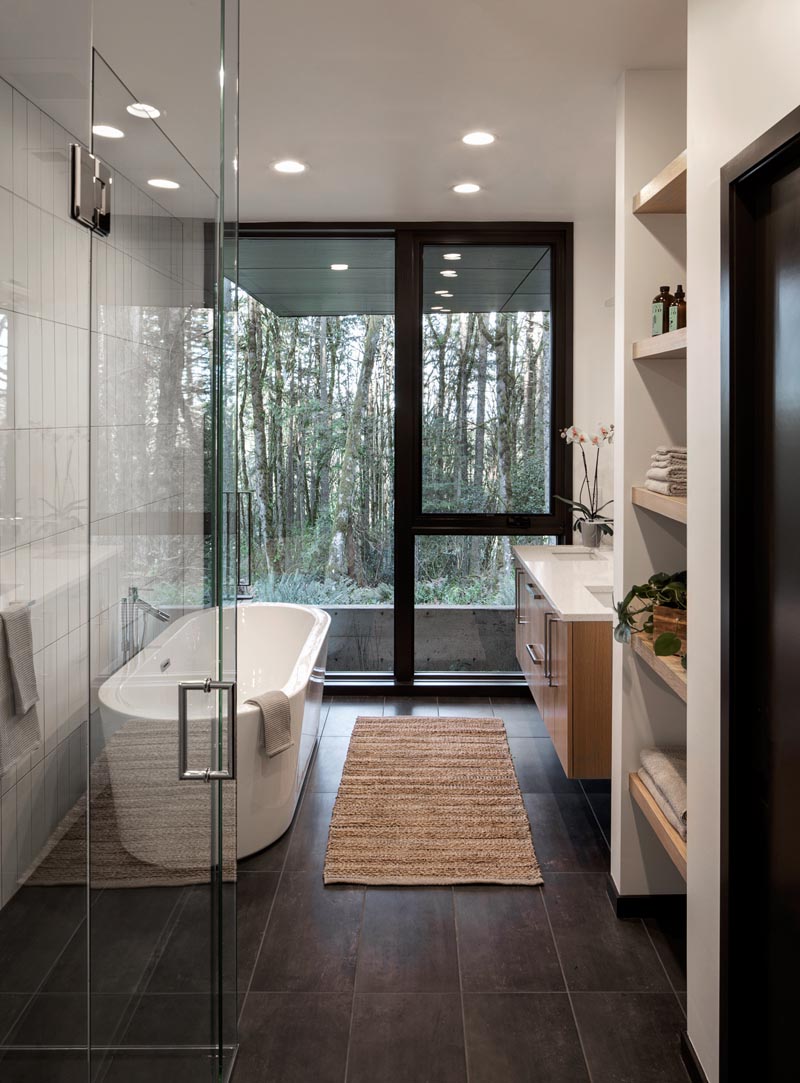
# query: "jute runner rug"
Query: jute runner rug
{"points": [[429, 801]]}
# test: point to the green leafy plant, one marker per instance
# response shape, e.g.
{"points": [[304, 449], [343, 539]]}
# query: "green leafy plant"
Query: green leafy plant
{"points": [[635, 611]]}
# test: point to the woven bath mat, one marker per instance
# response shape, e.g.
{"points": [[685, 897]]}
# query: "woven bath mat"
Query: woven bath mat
{"points": [[429, 801]]}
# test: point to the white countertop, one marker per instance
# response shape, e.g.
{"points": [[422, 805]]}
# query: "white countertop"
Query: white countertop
{"points": [[565, 575]]}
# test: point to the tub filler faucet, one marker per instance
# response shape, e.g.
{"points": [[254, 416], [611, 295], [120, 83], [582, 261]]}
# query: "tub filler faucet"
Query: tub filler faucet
{"points": [[132, 633]]}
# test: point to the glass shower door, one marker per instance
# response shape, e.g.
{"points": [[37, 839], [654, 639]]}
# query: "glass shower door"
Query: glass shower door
{"points": [[162, 639]]}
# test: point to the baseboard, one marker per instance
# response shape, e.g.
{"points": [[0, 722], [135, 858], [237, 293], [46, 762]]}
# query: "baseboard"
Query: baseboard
{"points": [[645, 906], [691, 1061]]}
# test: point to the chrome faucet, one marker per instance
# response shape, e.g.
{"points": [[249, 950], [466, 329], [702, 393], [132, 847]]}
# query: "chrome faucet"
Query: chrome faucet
{"points": [[132, 635]]}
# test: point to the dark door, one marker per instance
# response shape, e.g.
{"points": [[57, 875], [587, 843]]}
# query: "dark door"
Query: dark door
{"points": [[761, 758]]}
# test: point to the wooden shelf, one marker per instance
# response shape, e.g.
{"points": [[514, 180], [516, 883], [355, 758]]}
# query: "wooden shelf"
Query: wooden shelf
{"points": [[668, 347], [668, 669], [671, 507], [665, 832], [666, 193]]}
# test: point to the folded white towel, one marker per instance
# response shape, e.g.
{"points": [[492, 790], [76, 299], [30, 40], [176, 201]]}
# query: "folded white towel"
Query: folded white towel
{"points": [[662, 450], [667, 473], [667, 768], [668, 458], [666, 488], [662, 802]]}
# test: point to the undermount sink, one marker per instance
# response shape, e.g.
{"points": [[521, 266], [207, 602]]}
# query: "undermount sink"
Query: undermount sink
{"points": [[604, 595]]}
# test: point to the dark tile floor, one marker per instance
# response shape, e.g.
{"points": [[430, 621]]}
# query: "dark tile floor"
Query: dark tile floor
{"points": [[478, 984], [455, 985]]}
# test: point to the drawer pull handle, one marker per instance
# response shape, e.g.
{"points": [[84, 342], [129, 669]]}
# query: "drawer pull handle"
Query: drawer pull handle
{"points": [[536, 661], [532, 590]]}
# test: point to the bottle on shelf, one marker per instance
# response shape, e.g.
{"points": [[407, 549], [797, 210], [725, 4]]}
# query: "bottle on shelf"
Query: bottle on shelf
{"points": [[661, 303], [677, 310]]}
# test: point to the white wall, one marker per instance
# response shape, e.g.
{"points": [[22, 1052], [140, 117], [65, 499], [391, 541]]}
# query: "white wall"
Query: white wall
{"points": [[743, 76], [593, 372]]}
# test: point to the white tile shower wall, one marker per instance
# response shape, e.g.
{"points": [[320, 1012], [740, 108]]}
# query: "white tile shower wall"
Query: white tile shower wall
{"points": [[145, 417], [44, 449]]}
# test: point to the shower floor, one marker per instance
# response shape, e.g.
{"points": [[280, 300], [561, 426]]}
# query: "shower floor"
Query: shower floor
{"points": [[473, 984]]}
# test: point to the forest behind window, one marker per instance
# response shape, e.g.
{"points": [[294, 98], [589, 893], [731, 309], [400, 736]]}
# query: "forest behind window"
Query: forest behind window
{"points": [[316, 432]]}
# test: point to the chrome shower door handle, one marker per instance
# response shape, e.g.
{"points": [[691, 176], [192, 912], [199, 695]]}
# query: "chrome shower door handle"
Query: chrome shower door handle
{"points": [[205, 774]]}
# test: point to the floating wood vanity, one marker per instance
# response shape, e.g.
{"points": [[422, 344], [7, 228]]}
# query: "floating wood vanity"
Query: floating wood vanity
{"points": [[563, 639]]}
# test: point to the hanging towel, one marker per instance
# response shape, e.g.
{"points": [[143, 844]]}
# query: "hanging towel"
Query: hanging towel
{"points": [[666, 488], [19, 644], [667, 769], [19, 731], [276, 715]]}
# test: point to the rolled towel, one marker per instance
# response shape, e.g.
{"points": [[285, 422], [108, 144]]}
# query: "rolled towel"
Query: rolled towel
{"points": [[661, 801], [667, 473], [19, 732], [666, 488], [276, 716], [19, 644]]}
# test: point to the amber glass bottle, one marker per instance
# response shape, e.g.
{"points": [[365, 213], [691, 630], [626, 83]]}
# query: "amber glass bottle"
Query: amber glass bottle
{"points": [[677, 310], [661, 303]]}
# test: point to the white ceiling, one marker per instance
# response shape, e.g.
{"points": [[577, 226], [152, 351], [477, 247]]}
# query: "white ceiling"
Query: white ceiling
{"points": [[375, 96]]}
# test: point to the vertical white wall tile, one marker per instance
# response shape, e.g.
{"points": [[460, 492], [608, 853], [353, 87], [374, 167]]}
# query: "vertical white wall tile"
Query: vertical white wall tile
{"points": [[46, 163], [33, 152], [20, 264], [48, 392], [8, 845], [19, 354], [61, 166], [50, 719], [47, 262], [34, 295], [35, 373], [37, 595], [73, 366], [51, 791], [39, 833], [24, 855], [20, 122], [38, 510], [50, 590], [6, 249], [6, 136], [22, 453], [8, 489], [59, 270]]}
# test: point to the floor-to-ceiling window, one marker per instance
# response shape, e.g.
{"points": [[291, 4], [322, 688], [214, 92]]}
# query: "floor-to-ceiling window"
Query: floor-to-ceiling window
{"points": [[463, 426]]}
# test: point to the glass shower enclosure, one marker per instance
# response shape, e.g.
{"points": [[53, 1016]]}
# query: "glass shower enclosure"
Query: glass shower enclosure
{"points": [[118, 405]]}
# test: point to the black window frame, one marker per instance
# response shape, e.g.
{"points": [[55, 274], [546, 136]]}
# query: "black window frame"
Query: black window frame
{"points": [[409, 520]]}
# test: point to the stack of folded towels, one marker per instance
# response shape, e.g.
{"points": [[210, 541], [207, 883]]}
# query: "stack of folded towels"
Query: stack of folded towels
{"points": [[667, 473], [663, 772]]}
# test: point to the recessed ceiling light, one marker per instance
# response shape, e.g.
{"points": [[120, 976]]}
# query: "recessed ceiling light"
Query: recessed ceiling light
{"points": [[441, 293], [161, 182], [436, 308], [340, 266], [107, 131], [449, 274], [467, 188], [446, 294], [142, 109], [446, 310], [289, 165], [478, 139], [452, 255]]}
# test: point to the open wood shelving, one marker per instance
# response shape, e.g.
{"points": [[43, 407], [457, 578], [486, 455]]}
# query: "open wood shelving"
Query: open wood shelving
{"points": [[670, 346], [666, 192], [669, 669], [671, 507], [666, 834]]}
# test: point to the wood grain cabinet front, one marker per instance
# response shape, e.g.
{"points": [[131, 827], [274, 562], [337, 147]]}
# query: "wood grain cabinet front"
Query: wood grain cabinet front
{"points": [[567, 665]]}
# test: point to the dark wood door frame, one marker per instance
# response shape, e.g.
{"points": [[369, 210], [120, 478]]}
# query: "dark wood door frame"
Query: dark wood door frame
{"points": [[747, 503]]}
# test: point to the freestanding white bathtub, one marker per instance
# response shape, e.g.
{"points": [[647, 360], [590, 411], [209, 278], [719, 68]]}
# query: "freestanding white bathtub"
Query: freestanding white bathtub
{"points": [[161, 820]]}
